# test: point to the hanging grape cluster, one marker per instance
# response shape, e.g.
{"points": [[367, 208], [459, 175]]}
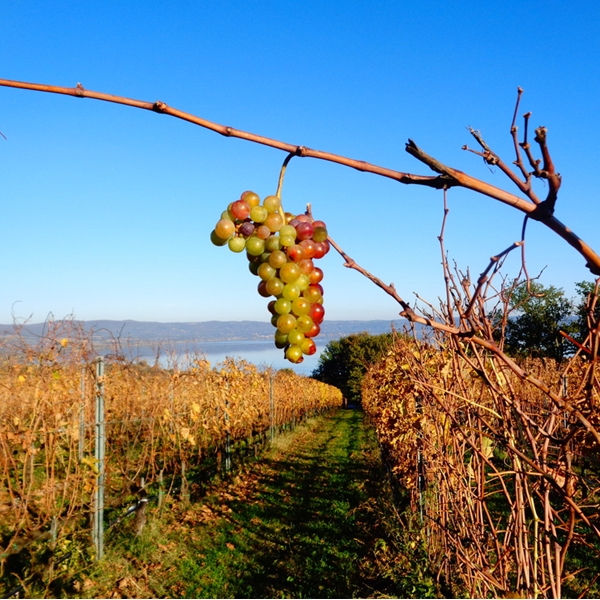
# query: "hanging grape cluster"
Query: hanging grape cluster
{"points": [[281, 249]]}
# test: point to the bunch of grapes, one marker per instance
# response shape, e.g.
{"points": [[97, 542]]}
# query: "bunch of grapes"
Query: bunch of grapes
{"points": [[281, 249]]}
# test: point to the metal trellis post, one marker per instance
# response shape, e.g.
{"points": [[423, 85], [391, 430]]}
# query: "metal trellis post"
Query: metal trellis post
{"points": [[99, 455]]}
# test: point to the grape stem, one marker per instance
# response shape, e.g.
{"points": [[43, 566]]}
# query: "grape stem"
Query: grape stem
{"points": [[280, 181]]}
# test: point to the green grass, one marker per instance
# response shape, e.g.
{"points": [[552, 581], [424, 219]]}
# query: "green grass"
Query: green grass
{"points": [[311, 518]]}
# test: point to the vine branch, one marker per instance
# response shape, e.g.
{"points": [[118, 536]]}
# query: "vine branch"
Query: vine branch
{"points": [[448, 177]]}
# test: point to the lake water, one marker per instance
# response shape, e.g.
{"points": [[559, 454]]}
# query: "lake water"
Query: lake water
{"points": [[260, 353]]}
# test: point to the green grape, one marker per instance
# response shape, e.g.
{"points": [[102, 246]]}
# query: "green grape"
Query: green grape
{"points": [[272, 203], [255, 246], [301, 306], [289, 272], [294, 354], [275, 286], [237, 244], [302, 282], [272, 243], [295, 337], [277, 259], [265, 271], [216, 240], [258, 213], [288, 230], [320, 234], [281, 337], [290, 291], [304, 323], [287, 240], [282, 306], [285, 323], [253, 266]]}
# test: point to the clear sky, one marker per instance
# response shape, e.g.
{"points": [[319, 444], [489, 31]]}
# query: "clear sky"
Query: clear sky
{"points": [[107, 210]]}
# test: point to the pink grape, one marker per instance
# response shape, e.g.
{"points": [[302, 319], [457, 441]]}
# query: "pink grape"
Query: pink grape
{"points": [[308, 346], [262, 232], [295, 253], [273, 221], [316, 275], [317, 312], [289, 272], [313, 332], [246, 229], [306, 265], [225, 229], [240, 209], [277, 259], [309, 248], [251, 198], [313, 294], [304, 231], [320, 249]]}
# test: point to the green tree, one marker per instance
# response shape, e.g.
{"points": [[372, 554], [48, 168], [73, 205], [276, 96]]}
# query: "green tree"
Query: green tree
{"points": [[585, 290], [344, 362], [536, 317]]}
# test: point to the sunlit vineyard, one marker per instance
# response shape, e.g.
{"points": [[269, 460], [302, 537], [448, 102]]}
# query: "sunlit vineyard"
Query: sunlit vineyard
{"points": [[157, 419], [503, 479]]}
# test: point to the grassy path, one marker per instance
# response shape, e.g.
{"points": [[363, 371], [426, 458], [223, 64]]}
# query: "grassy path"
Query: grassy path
{"points": [[300, 523]]}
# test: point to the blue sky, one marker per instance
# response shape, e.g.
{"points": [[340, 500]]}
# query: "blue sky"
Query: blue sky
{"points": [[107, 210]]}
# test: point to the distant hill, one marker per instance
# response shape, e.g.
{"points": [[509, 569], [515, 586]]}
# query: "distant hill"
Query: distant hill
{"points": [[204, 331]]}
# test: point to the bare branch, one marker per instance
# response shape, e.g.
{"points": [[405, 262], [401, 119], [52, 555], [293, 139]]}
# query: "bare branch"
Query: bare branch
{"points": [[163, 108], [448, 177]]}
